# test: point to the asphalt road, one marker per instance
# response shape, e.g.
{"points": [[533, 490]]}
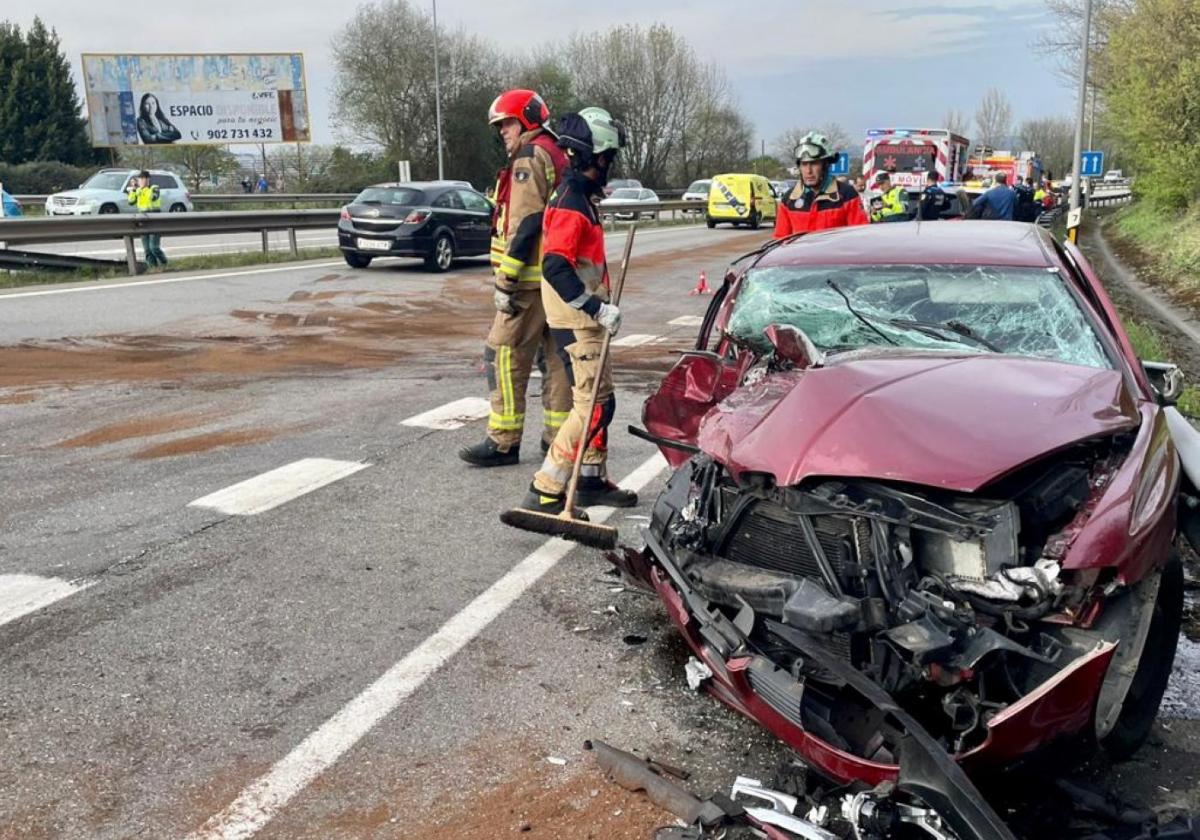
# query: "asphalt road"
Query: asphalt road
{"points": [[352, 646], [191, 246], [184, 651]]}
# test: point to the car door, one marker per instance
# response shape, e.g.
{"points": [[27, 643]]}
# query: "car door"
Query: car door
{"points": [[477, 221], [168, 189], [448, 214]]}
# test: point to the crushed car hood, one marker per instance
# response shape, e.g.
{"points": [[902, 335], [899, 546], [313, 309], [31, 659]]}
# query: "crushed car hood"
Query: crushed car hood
{"points": [[952, 422]]}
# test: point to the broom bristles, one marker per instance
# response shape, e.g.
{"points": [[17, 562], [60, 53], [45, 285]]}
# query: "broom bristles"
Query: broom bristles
{"points": [[576, 530]]}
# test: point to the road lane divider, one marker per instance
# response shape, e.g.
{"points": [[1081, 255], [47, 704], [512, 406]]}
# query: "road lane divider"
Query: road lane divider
{"points": [[259, 803], [23, 594], [687, 321], [453, 415], [615, 247], [272, 489], [159, 281]]}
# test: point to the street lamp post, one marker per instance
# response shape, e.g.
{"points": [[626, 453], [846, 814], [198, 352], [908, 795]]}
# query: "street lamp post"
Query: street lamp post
{"points": [[1074, 214], [437, 94]]}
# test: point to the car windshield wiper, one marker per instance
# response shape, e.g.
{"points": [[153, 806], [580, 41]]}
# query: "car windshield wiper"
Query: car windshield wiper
{"points": [[958, 330], [858, 314], [936, 330]]}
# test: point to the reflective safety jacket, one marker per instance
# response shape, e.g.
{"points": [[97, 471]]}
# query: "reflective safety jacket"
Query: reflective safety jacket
{"points": [[804, 209], [895, 206], [146, 199], [522, 190], [575, 265]]}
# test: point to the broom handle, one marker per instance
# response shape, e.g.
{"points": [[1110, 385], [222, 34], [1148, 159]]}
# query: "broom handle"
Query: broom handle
{"points": [[586, 440]]}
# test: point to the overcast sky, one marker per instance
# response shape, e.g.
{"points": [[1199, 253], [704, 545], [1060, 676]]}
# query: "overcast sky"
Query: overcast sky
{"points": [[861, 63]]}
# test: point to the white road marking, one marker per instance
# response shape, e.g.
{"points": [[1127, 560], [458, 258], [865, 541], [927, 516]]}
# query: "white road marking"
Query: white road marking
{"points": [[615, 246], [687, 321], [271, 489], [23, 594], [453, 415], [634, 340], [162, 280], [258, 804]]}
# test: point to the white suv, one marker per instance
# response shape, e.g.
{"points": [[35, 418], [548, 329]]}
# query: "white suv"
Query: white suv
{"points": [[105, 192]]}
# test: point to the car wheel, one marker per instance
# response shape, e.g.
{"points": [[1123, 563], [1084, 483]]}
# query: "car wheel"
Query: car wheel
{"points": [[356, 260], [109, 209], [442, 255], [1154, 670], [710, 221], [178, 208], [754, 220]]}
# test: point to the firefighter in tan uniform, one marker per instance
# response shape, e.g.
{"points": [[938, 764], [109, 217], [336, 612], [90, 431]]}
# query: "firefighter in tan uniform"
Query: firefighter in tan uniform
{"points": [[519, 331]]}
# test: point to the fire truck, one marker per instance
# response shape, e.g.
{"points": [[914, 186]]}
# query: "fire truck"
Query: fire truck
{"points": [[986, 163], [910, 154]]}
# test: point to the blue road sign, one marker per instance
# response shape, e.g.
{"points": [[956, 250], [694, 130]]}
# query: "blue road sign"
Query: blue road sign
{"points": [[841, 166], [1092, 164]]}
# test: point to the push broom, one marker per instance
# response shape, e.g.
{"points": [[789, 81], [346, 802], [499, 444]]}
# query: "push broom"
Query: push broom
{"points": [[565, 524]]}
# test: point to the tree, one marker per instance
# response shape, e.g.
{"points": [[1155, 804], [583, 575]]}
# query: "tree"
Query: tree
{"points": [[956, 122], [1053, 138], [993, 118], [652, 81], [384, 90], [200, 164], [1061, 43], [1153, 106], [40, 111]]}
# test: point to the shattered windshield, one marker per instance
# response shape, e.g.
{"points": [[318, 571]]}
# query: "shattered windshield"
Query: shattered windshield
{"points": [[972, 309]]}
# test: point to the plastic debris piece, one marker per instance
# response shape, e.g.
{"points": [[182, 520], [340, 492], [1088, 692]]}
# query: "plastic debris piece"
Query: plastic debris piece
{"points": [[696, 672]]}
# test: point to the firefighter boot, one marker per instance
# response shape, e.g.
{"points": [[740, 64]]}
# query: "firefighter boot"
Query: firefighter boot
{"points": [[487, 454], [598, 490], [549, 503]]}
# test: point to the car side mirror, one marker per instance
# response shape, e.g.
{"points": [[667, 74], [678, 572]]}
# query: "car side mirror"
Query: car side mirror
{"points": [[1166, 379], [792, 345]]}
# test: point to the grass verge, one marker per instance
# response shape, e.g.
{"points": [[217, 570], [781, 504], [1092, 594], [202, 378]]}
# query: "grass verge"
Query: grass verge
{"points": [[1149, 344], [202, 262], [1168, 242]]}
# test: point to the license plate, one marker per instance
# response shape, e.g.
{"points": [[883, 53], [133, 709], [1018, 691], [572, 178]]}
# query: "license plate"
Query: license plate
{"points": [[374, 245]]}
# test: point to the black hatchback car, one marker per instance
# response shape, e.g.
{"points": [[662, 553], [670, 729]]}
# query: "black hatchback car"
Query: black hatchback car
{"points": [[436, 220]]}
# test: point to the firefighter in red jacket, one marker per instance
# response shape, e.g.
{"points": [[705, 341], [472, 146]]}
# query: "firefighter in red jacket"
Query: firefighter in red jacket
{"points": [[819, 201], [535, 167], [576, 296]]}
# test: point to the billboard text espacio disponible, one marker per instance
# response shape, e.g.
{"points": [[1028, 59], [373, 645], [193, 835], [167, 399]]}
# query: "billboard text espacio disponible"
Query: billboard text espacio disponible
{"points": [[199, 99]]}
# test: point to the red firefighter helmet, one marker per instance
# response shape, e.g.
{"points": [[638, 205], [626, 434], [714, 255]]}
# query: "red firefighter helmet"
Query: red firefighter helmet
{"points": [[522, 105]]}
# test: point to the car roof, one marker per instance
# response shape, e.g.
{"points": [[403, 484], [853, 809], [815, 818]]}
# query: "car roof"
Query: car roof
{"points": [[136, 171], [423, 185], [972, 242]]}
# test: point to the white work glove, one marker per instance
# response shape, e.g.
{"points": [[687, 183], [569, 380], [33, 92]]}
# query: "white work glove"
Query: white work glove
{"points": [[609, 317], [504, 302]]}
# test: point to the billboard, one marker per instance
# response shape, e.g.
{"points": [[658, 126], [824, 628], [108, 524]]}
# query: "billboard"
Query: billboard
{"points": [[159, 99]]}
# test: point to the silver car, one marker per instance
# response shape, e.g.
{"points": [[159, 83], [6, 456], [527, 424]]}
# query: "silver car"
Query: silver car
{"points": [[625, 196], [106, 192]]}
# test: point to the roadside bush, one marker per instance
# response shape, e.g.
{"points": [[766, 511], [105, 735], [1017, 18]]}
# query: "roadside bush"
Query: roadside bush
{"points": [[42, 177]]}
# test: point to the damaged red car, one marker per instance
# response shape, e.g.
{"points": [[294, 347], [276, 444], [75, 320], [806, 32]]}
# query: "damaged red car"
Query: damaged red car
{"points": [[923, 509]]}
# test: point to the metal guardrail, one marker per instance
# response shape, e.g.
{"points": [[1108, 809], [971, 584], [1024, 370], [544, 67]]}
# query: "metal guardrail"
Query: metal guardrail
{"points": [[126, 226], [201, 199]]}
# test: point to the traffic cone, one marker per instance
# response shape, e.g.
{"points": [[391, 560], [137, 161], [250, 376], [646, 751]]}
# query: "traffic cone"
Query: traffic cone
{"points": [[701, 286]]}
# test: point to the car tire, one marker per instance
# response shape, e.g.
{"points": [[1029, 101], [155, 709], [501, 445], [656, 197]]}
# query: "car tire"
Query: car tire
{"points": [[441, 256], [754, 220], [178, 208], [356, 260], [708, 220], [109, 209], [1153, 671]]}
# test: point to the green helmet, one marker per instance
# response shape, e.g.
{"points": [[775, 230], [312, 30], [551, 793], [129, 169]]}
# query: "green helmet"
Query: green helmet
{"points": [[814, 146], [591, 131]]}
